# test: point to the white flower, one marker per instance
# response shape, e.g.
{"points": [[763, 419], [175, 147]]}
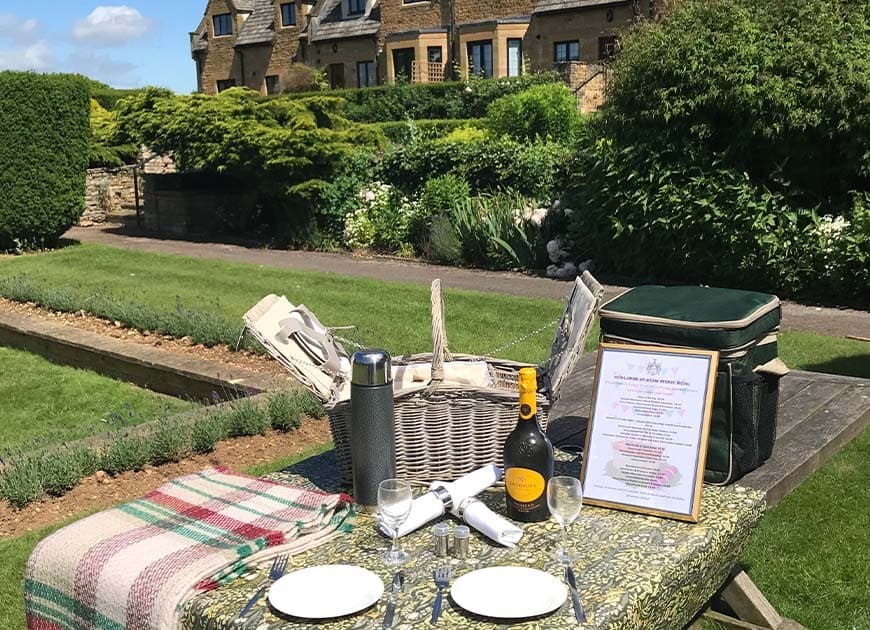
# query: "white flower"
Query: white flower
{"points": [[568, 212], [369, 196], [538, 216], [557, 204], [468, 88]]}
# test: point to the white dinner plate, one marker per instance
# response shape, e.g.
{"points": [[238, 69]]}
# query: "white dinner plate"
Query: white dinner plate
{"points": [[325, 591], [509, 592]]}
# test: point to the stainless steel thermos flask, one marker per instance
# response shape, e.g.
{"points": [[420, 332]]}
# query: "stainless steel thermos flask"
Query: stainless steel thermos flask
{"points": [[372, 438]]}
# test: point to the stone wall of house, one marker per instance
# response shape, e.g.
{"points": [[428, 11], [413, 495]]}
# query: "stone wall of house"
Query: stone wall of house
{"points": [[346, 52], [221, 61], [588, 81]]}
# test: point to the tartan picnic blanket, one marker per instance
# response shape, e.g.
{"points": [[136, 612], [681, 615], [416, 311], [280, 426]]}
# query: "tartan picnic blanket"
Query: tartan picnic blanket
{"points": [[134, 566]]}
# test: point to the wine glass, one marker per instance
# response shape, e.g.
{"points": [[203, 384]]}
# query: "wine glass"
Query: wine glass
{"points": [[394, 505], [565, 499]]}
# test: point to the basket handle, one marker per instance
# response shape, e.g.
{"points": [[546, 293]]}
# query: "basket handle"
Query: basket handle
{"points": [[440, 353]]}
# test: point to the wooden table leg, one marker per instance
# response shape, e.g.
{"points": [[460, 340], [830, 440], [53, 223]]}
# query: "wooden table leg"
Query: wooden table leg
{"points": [[752, 610]]}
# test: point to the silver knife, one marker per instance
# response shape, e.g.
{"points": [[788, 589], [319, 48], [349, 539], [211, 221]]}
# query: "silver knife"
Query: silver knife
{"points": [[578, 607], [398, 581]]}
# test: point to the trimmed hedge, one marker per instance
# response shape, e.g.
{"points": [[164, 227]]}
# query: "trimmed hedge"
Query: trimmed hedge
{"points": [[44, 146], [450, 99], [405, 130]]}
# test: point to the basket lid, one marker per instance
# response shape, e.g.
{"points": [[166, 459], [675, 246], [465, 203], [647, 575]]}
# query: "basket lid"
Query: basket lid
{"points": [[297, 339], [571, 333]]}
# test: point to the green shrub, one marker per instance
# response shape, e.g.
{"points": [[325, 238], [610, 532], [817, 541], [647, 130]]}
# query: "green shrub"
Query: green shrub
{"points": [[444, 245], [381, 220], [309, 404], [540, 112], [846, 245], [439, 195], [284, 410], [206, 432], [447, 100], [87, 460], [44, 138], [245, 417], [125, 452], [466, 133], [60, 472], [537, 169], [411, 130], [496, 231], [340, 198], [169, 442], [21, 482], [651, 213]]}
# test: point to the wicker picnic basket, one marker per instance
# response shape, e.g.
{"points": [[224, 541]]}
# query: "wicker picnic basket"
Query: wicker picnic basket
{"points": [[446, 429]]}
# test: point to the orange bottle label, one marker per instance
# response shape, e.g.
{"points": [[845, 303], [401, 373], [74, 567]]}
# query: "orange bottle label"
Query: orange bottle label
{"points": [[524, 485]]}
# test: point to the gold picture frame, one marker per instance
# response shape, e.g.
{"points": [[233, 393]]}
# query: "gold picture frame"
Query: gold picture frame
{"points": [[650, 415]]}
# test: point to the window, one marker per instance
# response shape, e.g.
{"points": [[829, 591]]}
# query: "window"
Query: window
{"points": [[515, 57], [355, 7], [225, 84], [272, 84], [435, 54], [366, 74], [288, 14], [223, 24], [413, 1], [480, 58], [566, 51], [607, 46], [403, 62]]}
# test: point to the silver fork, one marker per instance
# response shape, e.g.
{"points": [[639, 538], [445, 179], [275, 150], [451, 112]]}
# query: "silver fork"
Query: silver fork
{"points": [[442, 580], [279, 565]]}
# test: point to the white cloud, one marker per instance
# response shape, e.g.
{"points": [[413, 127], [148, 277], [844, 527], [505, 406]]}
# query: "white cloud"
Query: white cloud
{"points": [[26, 31], [36, 56], [111, 25]]}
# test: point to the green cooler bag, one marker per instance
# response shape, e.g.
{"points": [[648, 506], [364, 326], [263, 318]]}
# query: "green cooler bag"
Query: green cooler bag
{"points": [[742, 326]]}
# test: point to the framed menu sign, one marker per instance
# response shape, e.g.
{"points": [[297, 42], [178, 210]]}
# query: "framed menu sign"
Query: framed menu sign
{"points": [[646, 443]]}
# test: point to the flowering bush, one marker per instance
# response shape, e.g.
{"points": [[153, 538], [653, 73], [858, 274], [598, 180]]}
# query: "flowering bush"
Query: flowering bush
{"points": [[381, 220]]}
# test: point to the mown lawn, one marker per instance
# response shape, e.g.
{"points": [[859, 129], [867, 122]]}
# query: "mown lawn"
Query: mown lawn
{"points": [[41, 402], [811, 553], [15, 551]]}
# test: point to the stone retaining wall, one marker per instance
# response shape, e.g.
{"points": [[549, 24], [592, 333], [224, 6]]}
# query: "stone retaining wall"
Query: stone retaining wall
{"points": [[109, 190]]}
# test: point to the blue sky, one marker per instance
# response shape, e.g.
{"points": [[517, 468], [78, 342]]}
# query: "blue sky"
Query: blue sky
{"points": [[125, 44]]}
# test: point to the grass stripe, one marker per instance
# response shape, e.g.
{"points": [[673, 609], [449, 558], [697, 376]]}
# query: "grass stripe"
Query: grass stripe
{"points": [[74, 606]]}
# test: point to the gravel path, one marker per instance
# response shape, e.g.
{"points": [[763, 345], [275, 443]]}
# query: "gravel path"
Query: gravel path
{"points": [[825, 321]]}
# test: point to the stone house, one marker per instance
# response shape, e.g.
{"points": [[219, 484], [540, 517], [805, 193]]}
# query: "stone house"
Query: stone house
{"points": [[365, 42]]}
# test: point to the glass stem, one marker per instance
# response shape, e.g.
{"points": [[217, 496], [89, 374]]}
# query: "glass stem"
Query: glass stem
{"points": [[565, 539], [395, 547]]}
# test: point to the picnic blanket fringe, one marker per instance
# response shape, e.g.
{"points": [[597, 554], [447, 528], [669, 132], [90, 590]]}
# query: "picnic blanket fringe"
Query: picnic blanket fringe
{"points": [[134, 566]]}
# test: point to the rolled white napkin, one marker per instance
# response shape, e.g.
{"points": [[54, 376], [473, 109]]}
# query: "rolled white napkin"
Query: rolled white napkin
{"points": [[480, 517], [429, 506]]}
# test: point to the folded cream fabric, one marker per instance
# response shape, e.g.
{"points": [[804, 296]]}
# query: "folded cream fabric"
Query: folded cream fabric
{"points": [[480, 517], [475, 373], [429, 506]]}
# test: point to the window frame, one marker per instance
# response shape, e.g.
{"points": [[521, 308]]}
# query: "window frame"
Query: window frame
{"points": [[430, 50], [222, 19], [413, 54], [291, 14], [567, 45], [371, 73], [360, 7], [608, 46], [518, 40], [482, 43], [226, 83]]}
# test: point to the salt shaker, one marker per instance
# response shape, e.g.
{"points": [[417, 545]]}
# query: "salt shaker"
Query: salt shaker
{"points": [[440, 534], [461, 535], [372, 437]]}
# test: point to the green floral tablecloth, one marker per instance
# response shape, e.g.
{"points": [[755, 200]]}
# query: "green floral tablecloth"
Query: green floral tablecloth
{"points": [[633, 571]]}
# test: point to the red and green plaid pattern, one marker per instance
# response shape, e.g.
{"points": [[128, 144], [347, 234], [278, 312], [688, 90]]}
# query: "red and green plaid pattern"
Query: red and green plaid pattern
{"points": [[135, 565]]}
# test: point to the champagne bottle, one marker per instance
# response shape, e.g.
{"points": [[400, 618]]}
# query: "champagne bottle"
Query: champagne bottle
{"points": [[528, 458]]}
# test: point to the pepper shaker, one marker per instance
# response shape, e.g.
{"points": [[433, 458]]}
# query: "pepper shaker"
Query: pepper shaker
{"points": [[461, 534], [440, 534], [372, 428]]}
